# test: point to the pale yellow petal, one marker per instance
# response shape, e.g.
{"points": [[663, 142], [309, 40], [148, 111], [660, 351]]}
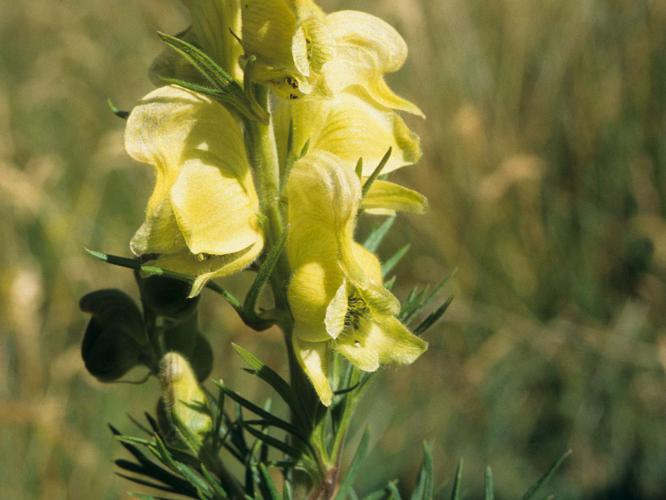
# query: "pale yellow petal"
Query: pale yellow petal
{"points": [[313, 359], [336, 312], [350, 127], [311, 289], [159, 233], [366, 49], [214, 211], [394, 197], [380, 342], [291, 42], [323, 199], [203, 268]]}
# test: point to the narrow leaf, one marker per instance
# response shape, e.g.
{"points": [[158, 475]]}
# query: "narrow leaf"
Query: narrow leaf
{"points": [[117, 111], [489, 487], [274, 442], [348, 481], [531, 493], [395, 259], [272, 378], [424, 485], [263, 276], [378, 234], [266, 484], [433, 317], [456, 493], [376, 172]]}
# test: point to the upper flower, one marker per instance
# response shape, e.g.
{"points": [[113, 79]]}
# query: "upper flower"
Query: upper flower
{"points": [[214, 24], [202, 219], [336, 294], [301, 51]]}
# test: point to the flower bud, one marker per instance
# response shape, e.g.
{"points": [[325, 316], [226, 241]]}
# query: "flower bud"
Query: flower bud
{"points": [[114, 339], [184, 400], [167, 297]]}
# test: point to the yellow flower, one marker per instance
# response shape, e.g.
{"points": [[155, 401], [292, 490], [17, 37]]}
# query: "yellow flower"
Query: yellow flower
{"points": [[214, 24], [202, 219], [303, 51], [350, 127], [336, 294]]}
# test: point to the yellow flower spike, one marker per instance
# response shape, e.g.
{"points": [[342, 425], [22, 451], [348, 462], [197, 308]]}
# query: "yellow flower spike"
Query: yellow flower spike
{"points": [[214, 23], [202, 219], [366, 49], [350, 127], [290, 41], [184, 400], [336, 293]]}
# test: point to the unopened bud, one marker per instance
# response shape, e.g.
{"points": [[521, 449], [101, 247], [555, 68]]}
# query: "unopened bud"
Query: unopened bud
{"points": [[185, 402]]}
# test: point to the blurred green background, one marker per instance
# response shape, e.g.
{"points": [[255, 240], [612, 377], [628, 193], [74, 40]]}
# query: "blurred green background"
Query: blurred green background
{"points": [[545, 164]]}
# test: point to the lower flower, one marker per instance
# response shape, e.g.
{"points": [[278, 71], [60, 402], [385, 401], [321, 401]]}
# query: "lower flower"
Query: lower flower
{"points": [[336, 294]]}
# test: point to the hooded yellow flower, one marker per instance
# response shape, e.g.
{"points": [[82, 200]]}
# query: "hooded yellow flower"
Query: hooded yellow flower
{"points": [[202, 219], [303, 51], [214, 23], [350, 127], [336, 294]]}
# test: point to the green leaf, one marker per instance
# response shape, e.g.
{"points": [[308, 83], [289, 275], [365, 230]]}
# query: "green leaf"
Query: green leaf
{"points": [[272, 378], [151, 469], [145, 482], [268, 417], [433, 317], [424, 485], [286, 491], [274, 442], [266, 484], [489, 487], [377, 171], [395, 259], [117, 111], [347, 482], [531, 493], [393, 491], [456, 492], [231, 92], [378, 234], [263, 276]]}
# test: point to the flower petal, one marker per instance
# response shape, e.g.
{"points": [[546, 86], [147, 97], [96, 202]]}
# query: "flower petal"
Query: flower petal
{"points": [[336, 312], [324, 198], [214, 211], [313, 358], [392, 196], [383, 340], [350, 127], [203, 268], [366, 49]]}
